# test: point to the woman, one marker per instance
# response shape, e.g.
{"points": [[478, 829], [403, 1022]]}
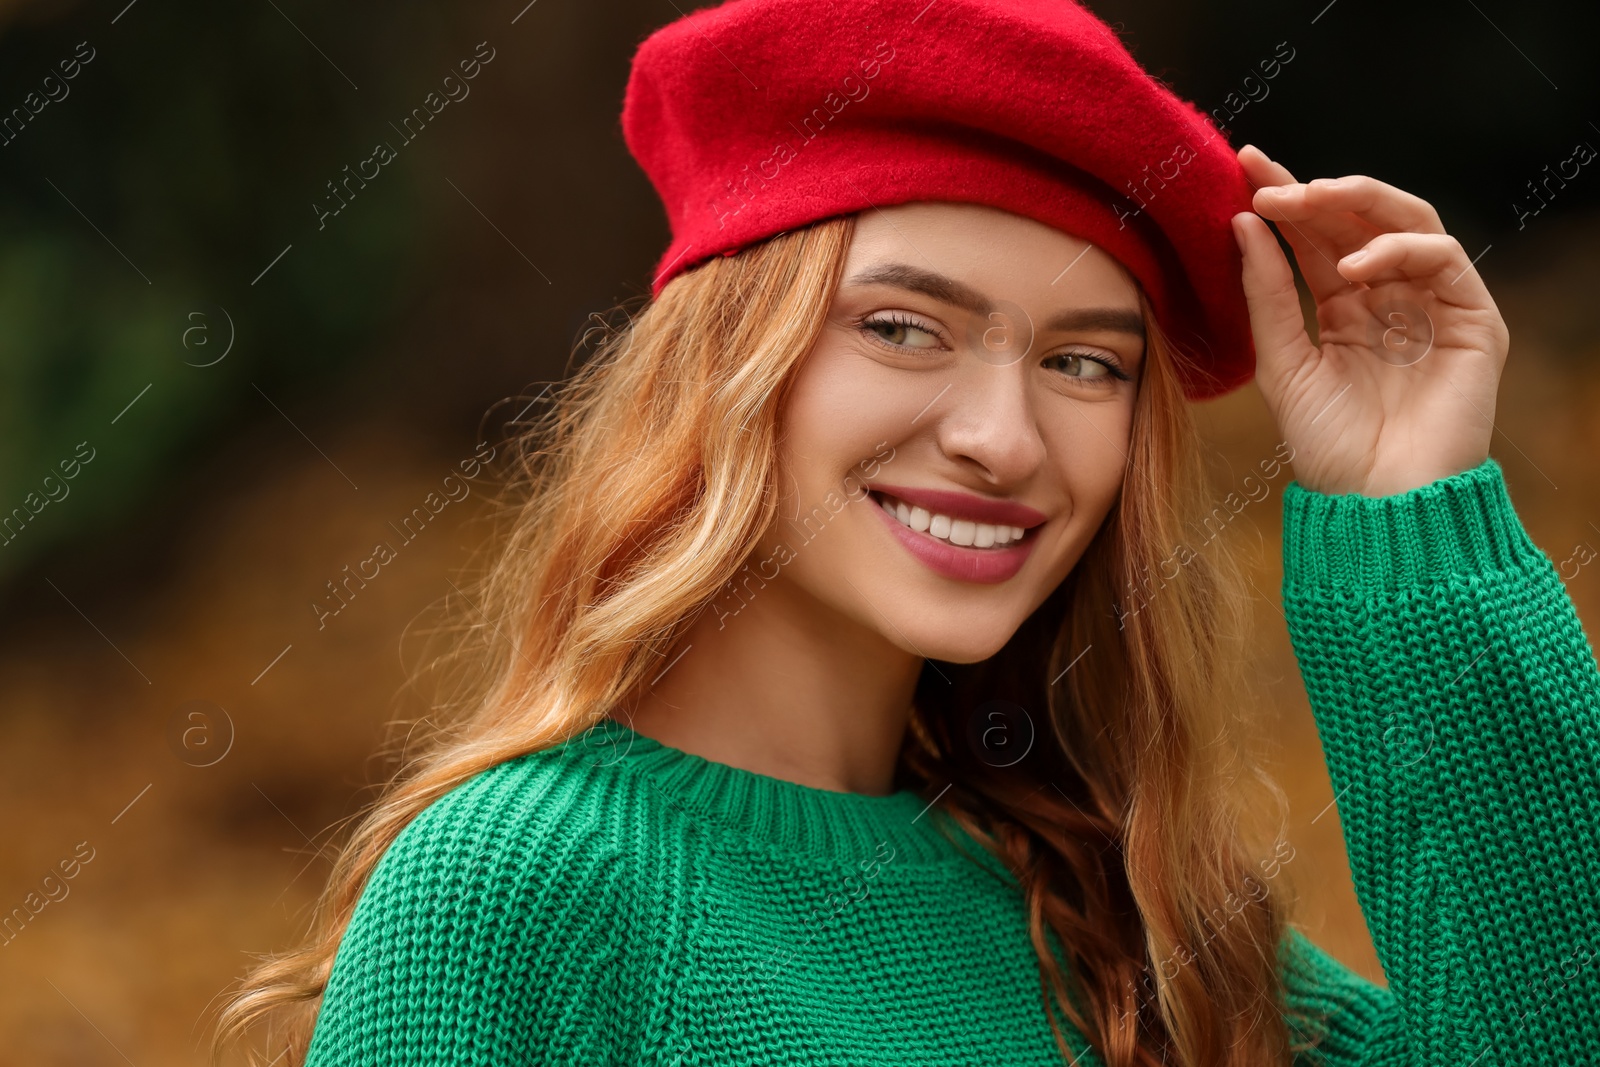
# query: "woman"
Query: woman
{"points": [[854, 690]]}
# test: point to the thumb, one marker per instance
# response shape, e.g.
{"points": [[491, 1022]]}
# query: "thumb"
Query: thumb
{"points": [[1276, 322]]}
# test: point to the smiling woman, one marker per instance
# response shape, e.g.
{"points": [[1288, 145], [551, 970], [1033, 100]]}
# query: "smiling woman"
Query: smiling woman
{"points": [[1033, 434], [654, 835]]}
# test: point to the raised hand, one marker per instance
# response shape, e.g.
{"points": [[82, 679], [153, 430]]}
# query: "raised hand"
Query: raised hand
{"points": [[1399, 388]]}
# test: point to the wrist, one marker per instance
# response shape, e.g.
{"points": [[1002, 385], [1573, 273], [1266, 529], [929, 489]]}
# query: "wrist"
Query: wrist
{"points": [[1462, 524], [1390, 480]]}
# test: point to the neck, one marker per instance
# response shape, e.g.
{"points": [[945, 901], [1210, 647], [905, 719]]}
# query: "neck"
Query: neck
{"points": [[788, 687]]}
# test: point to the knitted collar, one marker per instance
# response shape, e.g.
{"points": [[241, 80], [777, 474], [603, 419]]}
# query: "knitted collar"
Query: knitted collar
{"points": [[899, 829]]}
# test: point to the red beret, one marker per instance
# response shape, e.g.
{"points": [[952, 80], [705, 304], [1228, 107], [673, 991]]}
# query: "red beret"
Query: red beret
{"points": [[759, 116]]}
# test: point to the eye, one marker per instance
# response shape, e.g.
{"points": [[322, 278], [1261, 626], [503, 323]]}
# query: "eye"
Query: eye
{"points": [[1082, 366], [898, 330]]}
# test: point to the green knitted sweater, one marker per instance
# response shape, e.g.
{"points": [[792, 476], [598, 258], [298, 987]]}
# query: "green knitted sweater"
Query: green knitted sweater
{"points": [[617, 901]]}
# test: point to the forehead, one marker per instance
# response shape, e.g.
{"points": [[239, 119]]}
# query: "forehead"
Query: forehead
{"points": [[1004, 255]]}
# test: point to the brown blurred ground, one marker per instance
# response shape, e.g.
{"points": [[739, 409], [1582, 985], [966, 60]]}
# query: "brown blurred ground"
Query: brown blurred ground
{"points": [[211, 863]]}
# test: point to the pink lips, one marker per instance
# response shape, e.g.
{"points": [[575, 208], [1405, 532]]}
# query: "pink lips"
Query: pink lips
{"points": [[964, 505], [986, 565]]}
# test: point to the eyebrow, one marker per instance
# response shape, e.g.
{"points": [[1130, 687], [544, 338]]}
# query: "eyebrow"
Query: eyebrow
{"points": [[958, 294]]}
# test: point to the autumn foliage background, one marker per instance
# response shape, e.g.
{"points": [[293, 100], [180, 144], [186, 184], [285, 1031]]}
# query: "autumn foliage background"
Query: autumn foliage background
{"points": [[265, 387]]}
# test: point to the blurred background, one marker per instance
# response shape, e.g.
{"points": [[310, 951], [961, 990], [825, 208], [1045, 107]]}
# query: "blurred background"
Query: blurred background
{"points": [[221, 383]]}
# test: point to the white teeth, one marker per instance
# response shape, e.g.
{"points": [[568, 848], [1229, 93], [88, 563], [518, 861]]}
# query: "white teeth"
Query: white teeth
{"points": [[965, 532]]}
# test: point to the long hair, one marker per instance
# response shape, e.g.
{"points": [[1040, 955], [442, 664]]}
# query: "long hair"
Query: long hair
{"points": [[1123, 824]]}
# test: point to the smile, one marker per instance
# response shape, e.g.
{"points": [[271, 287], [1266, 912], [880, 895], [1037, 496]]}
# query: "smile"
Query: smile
{"points": [[955, 547], [963, 532]]}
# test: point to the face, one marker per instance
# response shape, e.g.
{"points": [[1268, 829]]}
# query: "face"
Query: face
{"points": [[976, 376]]}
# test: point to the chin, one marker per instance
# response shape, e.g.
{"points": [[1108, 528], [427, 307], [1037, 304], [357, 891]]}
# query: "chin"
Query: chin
{"points": [[957, 643]]}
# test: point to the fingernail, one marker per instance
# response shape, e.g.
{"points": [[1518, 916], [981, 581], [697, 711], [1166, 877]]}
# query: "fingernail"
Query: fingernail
{"points": [[1356, 257]]}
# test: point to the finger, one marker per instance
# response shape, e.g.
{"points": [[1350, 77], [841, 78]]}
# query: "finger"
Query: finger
{"points": [[1435, 260], [1348, 218], [1262, 171], [1293, 203], [1316, 263], [1337, 232], [1381, 205], [1276, 322], [1271, 179], [1316, 249]]}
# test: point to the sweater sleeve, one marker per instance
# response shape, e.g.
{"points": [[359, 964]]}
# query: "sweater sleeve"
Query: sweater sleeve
{"points": [[485, 937], [1458, 704]]}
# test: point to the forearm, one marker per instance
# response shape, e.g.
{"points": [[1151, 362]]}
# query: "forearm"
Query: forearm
{"points": [[1458, 704]]}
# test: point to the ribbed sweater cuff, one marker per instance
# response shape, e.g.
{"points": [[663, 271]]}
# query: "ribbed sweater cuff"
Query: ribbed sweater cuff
{"points": [[1463, 524]]}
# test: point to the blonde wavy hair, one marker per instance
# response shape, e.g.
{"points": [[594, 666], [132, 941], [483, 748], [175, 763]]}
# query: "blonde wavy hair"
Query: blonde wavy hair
{"points": [[1127, 825]]}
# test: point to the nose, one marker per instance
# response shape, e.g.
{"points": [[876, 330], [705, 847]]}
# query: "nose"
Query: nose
{"points": [[988, 421]]}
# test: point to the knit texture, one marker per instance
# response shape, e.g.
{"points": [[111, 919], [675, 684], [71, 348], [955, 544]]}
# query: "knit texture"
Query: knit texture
{"points": [[1458, 703], [613, 900]]}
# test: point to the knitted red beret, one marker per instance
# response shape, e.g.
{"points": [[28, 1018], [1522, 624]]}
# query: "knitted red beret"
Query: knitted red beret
{"points": [[758, 116]]}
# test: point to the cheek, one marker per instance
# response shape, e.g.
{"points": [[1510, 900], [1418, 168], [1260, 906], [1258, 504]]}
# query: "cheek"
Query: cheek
{"points": [[1088, 451], [840, 411]]}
